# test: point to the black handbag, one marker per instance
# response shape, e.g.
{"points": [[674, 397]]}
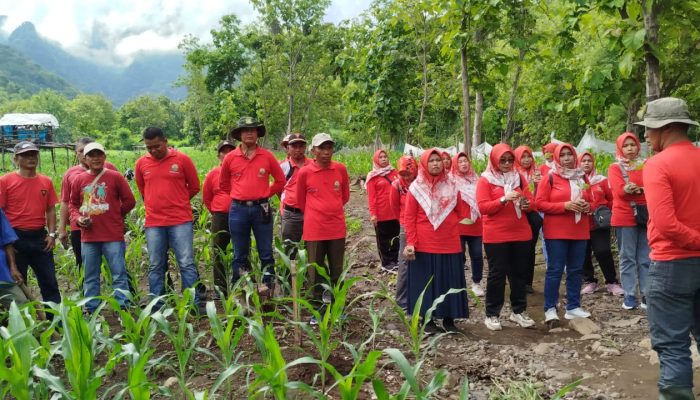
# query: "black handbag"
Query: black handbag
{"points": [[601, 217], [641, 213], [534, 219]]}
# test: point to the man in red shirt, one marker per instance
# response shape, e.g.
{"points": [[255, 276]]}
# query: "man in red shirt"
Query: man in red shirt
{"points": [[218, 202], [29, 201], [323, 189], [100, 199], [292, 216], [167, 180], [672, 189], [245, 176]]}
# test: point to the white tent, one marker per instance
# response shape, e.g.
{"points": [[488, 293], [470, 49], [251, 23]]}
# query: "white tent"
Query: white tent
{"points": [[29, 119], [410, 150], [589, 143], [481, 152]]}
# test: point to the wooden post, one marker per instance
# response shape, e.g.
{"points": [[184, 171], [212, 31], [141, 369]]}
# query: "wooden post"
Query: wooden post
{"points": [[295, 306]]}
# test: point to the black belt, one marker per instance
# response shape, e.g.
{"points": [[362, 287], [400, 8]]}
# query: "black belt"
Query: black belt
{"points": [[250, 203], [292, 209]]}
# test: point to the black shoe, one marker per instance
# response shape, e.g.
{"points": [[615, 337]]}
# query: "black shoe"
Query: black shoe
{"points": [[449, 325], [529, 289], [432, 328]]}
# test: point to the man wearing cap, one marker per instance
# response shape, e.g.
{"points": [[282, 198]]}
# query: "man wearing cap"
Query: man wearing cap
{"points": [[167, 179], [29, 201], [323, 189], [245, 176], [292, 216], [218, 202], [100, 198], [672, 190], [284, 143]]}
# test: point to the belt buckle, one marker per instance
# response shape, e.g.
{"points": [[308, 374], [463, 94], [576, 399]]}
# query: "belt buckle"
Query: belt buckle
{"points": [[249, 203]]}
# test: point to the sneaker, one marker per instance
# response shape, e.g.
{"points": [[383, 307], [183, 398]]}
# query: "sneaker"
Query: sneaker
{"points": [[493, 323], [615, 289], [589, 288], [313, 321], [522, 319], [477, 290], [629, 303], [577, 312], [551, 315], [643, 305]]}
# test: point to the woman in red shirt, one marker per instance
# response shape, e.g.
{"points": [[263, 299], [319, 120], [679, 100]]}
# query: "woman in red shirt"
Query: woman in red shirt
{"points": [[600, 237], [525, 164], [504, 199], [386, 226], [399, 188], [627, 185], [433, 211], [565, 199], [470, 229]]}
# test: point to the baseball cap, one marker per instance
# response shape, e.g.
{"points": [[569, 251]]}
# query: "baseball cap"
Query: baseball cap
{"points": [[321, 138], [93, 146], [223, 144], [285, 140], [296, 138], [23, 147]]}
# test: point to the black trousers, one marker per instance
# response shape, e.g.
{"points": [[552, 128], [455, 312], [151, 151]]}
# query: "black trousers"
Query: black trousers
{"points": [[388, 241], [76, 245], [530, 270], [29, 252], [506, 260], [222, 237], [600, 246]]}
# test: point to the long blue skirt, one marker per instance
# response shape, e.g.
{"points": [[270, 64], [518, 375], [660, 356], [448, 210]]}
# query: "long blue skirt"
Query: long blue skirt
{"points": [[447, 272]]}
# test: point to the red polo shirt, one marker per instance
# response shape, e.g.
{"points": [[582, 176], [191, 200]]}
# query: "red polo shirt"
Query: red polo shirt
{"points": [[559, 223], [249, 178], [622, 213], [67, 180], [421, 234], [321, 194], [167, 185], [378, 189], [500, 222], [112, 199], [673, 190], [25, 200], [215, 199], [289, 196]]}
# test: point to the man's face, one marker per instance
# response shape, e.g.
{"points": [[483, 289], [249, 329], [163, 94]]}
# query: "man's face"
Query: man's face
{"points": [[296, 150], [27, 160], [223, 151], [157, 147], [249, 136], [324, 152], [95, 159], [653, 138], [79, 153]]}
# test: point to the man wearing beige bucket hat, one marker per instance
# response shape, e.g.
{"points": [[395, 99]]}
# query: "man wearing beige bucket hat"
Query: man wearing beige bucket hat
{"points": [[672, 188]]}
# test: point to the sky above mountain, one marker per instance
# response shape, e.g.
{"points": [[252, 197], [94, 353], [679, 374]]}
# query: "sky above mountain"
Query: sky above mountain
{"points": [[113, 32]]}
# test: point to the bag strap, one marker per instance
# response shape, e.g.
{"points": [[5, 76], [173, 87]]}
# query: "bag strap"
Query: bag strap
{"points": [[387, 179], [97, 178]]}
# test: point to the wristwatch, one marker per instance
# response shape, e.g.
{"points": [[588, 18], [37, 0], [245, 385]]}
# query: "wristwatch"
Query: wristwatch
{"points": [[53, 235], [503, 200]]}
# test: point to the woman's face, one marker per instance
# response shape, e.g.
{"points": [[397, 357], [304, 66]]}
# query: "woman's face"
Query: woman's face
{"points": [[406, 176], [587, 163], [566, 158], [446, 161], [526, 160], [383, 159], [463, 164], [435, 164], [630, 149], [505, 163]]}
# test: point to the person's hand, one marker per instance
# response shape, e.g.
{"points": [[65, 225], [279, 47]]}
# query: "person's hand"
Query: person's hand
{"points": [[632, 188], [573, 206], [373, 220], [512, 196], [84, 222], [50, 243], [409, 253], [585, 206], [16, 275], [537, 176], [63, 238], [525, 204]]}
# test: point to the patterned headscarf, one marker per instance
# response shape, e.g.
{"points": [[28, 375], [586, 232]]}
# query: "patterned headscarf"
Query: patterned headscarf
{"points": [[436, 194], [376, 169], [626, 163], [509, 181], [466, 184], [573, 175]]}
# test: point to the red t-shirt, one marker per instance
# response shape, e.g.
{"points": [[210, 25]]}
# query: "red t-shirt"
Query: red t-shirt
{"points": [[249, 179], [673, 190], [321, 194], [475, 229], [167, 185], [109, 203], [289, 196], [602, 196], [378, 189], [622, 213], [26, 200], [215, 199], [421, 234], [71, 173], [559, 223], [500, 222], [397, 200]]}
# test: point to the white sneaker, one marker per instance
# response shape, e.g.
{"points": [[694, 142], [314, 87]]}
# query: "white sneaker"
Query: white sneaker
{"points": [[522, 319], [493, 323], [477, 290], [576, 313], [551, 315]]}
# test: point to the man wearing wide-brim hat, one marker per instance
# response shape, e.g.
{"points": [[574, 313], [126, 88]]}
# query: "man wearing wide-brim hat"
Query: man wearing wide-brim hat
{"points": [[672, 189], [247, 124]]}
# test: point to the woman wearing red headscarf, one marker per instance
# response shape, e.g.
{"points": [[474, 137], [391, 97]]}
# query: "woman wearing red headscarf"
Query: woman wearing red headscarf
{"points": [[627, 186], [470, 229], [399, 188], [565, 199], [433, 212], [504, 199], [548, 155], [525, 164], [600, 237], [446, 160], [386, 226]]}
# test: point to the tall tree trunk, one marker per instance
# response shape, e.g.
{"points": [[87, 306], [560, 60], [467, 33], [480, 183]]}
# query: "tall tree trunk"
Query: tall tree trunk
{"points": [[651, 24], [424, 61], [510, 124], [466, 117], [632, 108], [478, 118]]}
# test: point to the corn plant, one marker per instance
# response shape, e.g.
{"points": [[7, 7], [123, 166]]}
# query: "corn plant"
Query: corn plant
{"points": [[412, 386]]}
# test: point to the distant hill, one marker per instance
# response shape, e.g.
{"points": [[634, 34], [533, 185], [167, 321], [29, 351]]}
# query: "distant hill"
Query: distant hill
{"points": [[148, 74], [19, 75]]}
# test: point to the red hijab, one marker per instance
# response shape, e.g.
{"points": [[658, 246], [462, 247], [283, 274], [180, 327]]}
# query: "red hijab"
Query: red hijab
{"points": [[437, 195], [509, 181], [376, 169], [519, 153], [626, 163], [593, 176], [466, 184], [575, 175], [549, 148], [406, 164]]}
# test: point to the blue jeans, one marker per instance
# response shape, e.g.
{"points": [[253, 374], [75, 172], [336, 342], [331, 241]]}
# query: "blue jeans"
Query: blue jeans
{"points": [[564, 255], [476, 255], [113, 252], [634, 259], [241, 220], [179, 238], [673, 309]]}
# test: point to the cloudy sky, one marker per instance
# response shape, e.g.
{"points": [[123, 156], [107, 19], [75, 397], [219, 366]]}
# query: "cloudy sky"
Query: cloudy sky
{"points": [[113, 31]]}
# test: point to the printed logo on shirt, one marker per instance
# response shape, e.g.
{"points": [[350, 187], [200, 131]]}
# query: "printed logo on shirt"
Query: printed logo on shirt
{"points": [[336, 185], [175, 168], [94, 200], [261, 173], [44, 192]]}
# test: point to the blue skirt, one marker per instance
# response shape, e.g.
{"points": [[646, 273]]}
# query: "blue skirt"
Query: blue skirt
{"points": [[446, 272]]}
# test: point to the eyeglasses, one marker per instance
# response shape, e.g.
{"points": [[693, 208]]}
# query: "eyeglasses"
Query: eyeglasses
{"points": [[506, 160]]}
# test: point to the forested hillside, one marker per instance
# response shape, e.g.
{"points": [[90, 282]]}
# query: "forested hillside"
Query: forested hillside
{"points": [[20, 77]]}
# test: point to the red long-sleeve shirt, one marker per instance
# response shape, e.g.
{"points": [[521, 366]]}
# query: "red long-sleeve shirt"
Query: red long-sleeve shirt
{"points": [[673, 190], [475, 229], [246, 178], [397, 200], [622, 213], [559, 223], [378, 192], [500, 222], [321, 194], [215, 199], [167, 185], [113, 197], [421, 234], [71, 173], [289, 197]]}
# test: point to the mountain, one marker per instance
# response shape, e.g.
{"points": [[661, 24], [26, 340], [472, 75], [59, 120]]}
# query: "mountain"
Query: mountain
{"points": [[21, 76], [148, 74]]}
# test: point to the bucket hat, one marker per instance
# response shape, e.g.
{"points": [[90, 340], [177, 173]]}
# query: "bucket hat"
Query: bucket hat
{"points": [[664, 111], [247, 122]]}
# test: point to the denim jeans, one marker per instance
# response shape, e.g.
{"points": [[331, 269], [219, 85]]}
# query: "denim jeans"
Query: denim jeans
{"points": [[113, 252], [673, 309], [634, 259], [564, 255], [476, 255], [159, 240], [241, 220]]}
